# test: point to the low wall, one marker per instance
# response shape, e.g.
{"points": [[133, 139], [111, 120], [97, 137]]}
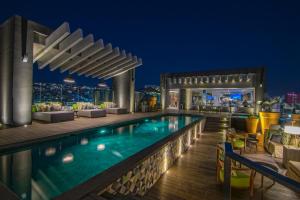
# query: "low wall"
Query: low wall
{"points": [[145, 174]]}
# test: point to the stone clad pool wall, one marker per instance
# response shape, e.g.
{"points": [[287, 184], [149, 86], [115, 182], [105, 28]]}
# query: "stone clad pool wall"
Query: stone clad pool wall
{"points": [[143, 176]]}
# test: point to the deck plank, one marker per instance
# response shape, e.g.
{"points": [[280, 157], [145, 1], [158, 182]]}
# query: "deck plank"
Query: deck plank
{"points": [[39, 131], [193, 177]]}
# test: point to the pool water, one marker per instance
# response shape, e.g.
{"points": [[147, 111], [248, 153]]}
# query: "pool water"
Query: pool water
{"points": [[48, 169]]}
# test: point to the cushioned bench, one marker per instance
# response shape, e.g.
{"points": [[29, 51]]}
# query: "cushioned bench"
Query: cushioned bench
{"points": [[92, 113], [116, 111], [294, 170], [54, 117]]}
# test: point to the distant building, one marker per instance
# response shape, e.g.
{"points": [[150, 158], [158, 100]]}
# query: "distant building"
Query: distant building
{"points": [[292, 98], [229, 89]]}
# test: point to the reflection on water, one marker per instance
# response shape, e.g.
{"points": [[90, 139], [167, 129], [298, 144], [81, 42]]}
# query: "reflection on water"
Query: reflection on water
{"points": [[15, 172], [48, 169]]}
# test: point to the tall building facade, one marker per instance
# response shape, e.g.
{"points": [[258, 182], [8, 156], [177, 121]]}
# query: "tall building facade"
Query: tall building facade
{"points": [[292, 98]]}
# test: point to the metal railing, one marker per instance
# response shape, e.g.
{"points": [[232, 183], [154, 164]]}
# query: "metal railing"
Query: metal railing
{"points": [[267, 172]]}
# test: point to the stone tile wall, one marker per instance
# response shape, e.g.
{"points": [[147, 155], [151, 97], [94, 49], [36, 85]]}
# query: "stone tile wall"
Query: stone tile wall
{"points": [[142, 177]]}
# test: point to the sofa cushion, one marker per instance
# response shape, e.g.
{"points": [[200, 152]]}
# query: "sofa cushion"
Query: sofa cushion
{"points": [[276, 149], [294, 170], [276, 138]]}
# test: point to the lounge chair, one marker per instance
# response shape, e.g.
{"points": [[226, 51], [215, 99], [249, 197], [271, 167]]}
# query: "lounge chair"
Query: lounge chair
{"points": [[116, 111], [54, 116], [91, 113]]}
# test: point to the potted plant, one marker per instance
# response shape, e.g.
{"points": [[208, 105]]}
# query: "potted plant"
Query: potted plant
{"points": [[252, 123], [267, 117]]}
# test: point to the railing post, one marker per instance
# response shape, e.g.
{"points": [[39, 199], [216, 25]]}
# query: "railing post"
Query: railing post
{"points": [[227, 174]]}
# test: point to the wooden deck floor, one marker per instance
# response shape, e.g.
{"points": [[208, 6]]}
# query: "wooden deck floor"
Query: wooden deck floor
{"points": [[39, 131], [193, 177]]}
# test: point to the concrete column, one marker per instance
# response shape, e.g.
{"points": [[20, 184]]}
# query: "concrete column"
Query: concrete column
{"points": [[163, 91], [185, 99], [188, 99], [16, 72], [123, 90]]}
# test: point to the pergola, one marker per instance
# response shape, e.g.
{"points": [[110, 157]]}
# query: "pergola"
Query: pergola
{"points": [[24, 42]]}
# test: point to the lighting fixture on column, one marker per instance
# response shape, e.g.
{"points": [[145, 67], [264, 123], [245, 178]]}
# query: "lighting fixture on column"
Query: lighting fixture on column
{"points": [[69, 80], [201, 80], [25, 58], [24, 40]]}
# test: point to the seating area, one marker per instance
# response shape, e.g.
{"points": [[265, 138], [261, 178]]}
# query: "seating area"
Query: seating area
{"points": [[279, 145], [54, 112]]}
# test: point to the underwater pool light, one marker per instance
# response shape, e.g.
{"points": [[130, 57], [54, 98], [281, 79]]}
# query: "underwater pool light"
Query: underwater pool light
{"points": [[84, 141], [101, 147], [68, 158], [103, 131], [50, 151]]}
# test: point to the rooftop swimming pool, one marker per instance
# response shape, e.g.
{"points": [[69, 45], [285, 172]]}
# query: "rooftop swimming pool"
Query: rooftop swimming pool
{"points": [[46, 170]]}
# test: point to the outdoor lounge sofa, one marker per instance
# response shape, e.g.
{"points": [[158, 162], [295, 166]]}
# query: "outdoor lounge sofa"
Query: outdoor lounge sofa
{"points": [[91, 113], [116, 111], [54, 116]]}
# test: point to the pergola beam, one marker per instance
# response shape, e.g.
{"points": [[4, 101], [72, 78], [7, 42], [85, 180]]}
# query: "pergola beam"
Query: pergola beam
{"points": [[133, 61], [107, 50], [123, 70], [53, 39], [84, 44], [112, 55], [121, 57], [115, 66], [64, 46], [84, 55]]}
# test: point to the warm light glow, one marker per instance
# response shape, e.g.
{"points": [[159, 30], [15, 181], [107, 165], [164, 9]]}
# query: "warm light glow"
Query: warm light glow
{"points": [[165, 161], [25, 58], [180, 146], [50, 151], [69, 79], [189, 138], [102, 84], [68, 158], [84, 141], [25, 125], [101, 147]]}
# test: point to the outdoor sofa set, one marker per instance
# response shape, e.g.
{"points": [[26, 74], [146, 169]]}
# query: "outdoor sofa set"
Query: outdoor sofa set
{"points": [[53, 112], [284, 146]]}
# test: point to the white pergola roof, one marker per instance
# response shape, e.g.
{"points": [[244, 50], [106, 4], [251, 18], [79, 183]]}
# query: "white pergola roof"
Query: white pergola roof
{"points": [[75, 53]]}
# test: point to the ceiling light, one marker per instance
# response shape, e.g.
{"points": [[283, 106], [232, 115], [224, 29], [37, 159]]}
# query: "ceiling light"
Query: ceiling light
{"points": [[102, 84], [69, 80]]}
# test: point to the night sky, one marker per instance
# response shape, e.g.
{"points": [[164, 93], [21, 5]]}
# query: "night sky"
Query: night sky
{"points": [[186, 36]]}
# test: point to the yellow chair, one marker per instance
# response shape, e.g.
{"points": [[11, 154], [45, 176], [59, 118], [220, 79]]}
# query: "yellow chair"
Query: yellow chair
{"points": [[241, 178], [295, 119], [266, 120]]}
